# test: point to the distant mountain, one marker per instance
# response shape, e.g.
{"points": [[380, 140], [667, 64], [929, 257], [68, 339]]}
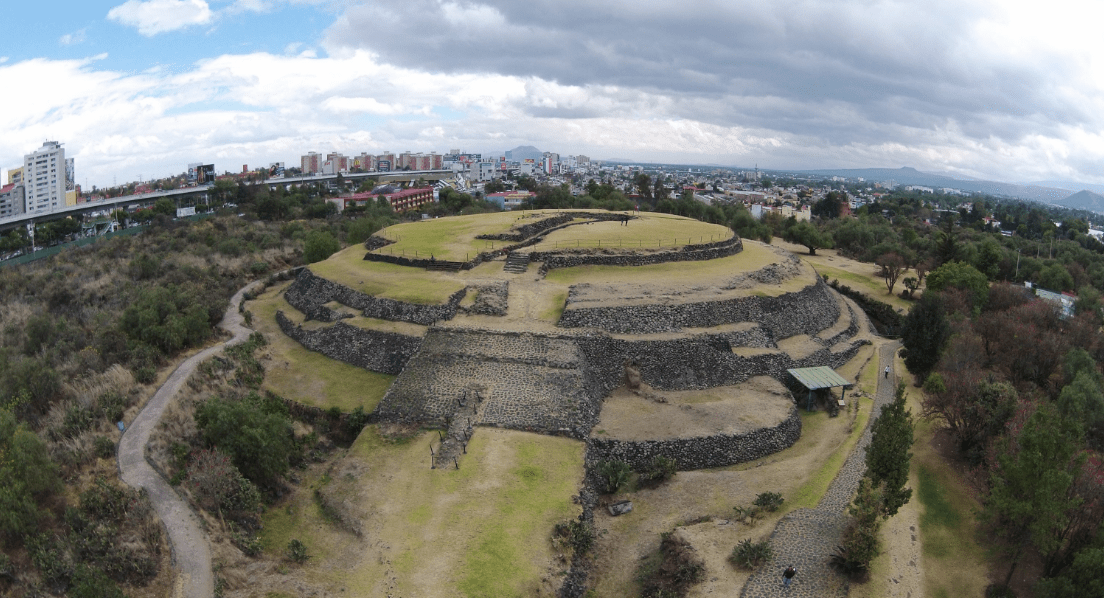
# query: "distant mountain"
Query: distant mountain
{"points": [[524, 152], [1069, 185], [1084, 200], [911, 176]]}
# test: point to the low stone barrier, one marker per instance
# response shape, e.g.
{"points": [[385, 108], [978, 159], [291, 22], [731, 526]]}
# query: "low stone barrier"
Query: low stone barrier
{"points": [[309, 294], [383, 352], [700, 452], [613, 257], [808, 311]]}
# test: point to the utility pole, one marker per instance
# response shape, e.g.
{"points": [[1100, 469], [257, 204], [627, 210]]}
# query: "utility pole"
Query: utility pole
{"points": [[1018, 263]]}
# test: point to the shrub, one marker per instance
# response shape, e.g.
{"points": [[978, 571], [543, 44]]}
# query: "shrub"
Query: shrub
{"points": [[356, 421], [145, 374], [659, 470], [77, 420], [252, 431], [104, 447], [750, 555], [297, 551], [219, 486], [319, 245], [89, 582], [613, 475], [678, 569], [747, 514], [578, 535], [769, 501], [50, 558], [111, 405]]}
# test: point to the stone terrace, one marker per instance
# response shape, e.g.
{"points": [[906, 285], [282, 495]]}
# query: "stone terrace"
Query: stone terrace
{"points": [[529, 382]]}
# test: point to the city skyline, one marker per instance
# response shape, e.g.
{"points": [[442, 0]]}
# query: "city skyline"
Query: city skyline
{"points": [[997, 90]]}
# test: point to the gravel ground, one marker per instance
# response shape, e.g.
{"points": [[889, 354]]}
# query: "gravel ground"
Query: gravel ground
{"points": [[190, 549]]}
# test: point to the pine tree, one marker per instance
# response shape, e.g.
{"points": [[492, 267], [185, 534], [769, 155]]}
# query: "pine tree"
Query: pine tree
{"points": [[888, 456], [924, 335]]}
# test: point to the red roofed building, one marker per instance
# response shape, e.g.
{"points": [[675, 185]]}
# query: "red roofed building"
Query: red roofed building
{"points": [[401, 200]]}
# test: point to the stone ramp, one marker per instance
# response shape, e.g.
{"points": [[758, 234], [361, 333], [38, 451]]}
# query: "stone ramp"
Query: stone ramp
{"points": [[526, 381], [805, 539]]}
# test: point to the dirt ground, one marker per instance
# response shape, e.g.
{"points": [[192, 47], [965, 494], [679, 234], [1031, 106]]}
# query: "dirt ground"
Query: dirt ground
{"points": [[647, 414]]}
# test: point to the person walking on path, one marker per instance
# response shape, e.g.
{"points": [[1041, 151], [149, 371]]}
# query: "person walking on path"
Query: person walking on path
{"points": [[887, 372], [788, 575]]}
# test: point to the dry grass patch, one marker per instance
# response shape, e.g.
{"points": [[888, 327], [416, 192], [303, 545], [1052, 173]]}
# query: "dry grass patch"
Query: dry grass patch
{"points": [[761, 402], [296, 373], [861, 276], [482, 530]]}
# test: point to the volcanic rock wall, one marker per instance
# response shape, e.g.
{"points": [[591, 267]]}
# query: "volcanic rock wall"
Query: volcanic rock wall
{"points": [[699, 452], [808, 311], [383, 352], [310, 294]]}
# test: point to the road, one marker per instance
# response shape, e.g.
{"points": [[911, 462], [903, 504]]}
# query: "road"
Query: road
{"points": [[190, 547]]}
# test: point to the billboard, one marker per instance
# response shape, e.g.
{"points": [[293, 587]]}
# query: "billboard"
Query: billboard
{"points": [[201, 174], [182, 212], [383, 165], [276, 170]]}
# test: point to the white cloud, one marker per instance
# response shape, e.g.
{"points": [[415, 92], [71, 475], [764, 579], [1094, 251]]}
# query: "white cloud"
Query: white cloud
{"points": [[70, 39], [160, 16], [3, 59]]}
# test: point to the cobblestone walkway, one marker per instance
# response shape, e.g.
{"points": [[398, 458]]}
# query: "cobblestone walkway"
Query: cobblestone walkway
{"points": [[806, 538]]}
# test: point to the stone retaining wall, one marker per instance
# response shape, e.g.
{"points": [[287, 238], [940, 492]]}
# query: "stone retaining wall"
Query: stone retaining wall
{"points": [[523, 232], [696, 362], [383, 352], [528, 382], [309, 294], [700, 452], [612, 257], [808, 311]]}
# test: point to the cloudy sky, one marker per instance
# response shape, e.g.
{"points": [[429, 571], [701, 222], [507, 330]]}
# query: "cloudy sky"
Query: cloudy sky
{"points": [[991, 89]]}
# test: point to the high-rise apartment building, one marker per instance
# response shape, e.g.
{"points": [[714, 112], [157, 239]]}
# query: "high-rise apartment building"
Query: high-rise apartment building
{"points": [[47, 175], [11, 200], [311, 163]]}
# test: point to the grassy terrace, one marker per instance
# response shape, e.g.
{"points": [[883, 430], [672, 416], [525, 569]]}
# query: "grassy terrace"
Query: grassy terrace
{"points": [[413, 285], [648, 231], [482, 530], [754, 256], [453, 238], [308, 377]]}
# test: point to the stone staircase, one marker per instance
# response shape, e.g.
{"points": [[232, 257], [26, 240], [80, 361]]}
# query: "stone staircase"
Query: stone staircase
{"points": [[445, 266], [460, 429], [516, 262]]}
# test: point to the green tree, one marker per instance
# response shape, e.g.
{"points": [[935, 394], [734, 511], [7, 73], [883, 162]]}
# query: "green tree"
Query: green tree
{"points": [[27, 477], [804, 233], [989, 257], [254, 432], [319, 245], [1084, 578], [1030, 497], [962, 276], [829, 207], [888, 456], [925, 334]]}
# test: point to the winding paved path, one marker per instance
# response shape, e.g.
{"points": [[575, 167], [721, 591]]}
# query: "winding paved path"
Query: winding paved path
{"points": [[806, 538], [190, 550]]}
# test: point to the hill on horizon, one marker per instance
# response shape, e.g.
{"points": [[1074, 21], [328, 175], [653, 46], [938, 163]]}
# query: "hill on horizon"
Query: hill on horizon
{"points": [[1084, 200], [524, 152], [910, 176]]}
